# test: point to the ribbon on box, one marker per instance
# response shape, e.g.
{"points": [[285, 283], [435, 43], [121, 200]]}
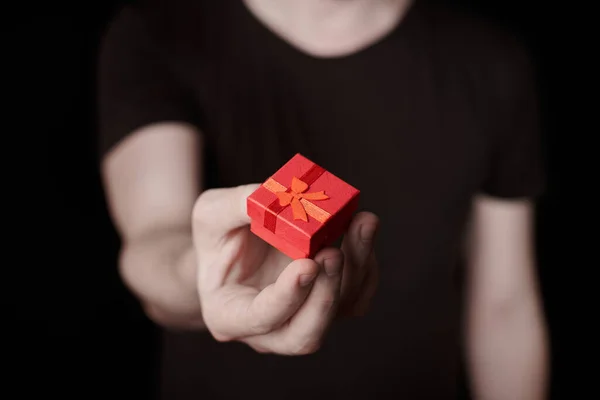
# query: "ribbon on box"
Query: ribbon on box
{"points": [[297, 197]]}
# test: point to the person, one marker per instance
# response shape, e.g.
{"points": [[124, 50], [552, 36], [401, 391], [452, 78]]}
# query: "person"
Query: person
{"points": [[430, 112]]}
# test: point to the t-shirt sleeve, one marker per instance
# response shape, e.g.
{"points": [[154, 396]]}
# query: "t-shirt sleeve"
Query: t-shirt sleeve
{"points": [[516, 165], [136, 84]]}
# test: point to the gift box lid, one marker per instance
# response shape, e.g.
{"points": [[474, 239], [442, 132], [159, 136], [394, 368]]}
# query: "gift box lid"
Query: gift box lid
{"points": [[300, 200]]}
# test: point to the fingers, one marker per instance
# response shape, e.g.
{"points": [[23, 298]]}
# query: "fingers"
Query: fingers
{"points": [[358, 241], [245, 312], [219, 211], [358, 247], [367, 289], [276, 303], [305, 330]]}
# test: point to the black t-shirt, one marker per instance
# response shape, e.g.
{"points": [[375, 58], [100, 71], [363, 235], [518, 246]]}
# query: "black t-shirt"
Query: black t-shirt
{"points": [[440, 109]]}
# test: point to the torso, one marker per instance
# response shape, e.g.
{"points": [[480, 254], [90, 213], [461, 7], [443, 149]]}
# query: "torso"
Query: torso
{"points": [[398, 120]]}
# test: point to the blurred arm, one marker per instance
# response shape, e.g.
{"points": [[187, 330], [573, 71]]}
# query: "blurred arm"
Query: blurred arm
{"points": [[152, 179], [507, 338]]}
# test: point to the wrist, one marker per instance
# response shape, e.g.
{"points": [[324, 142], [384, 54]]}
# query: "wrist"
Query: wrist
{"points": [[159, 268], [185, 272], [185, 269], [188, 314]]}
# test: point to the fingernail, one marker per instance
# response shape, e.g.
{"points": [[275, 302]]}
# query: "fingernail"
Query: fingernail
{"points": [[307, 279], [332, 266], [367, 232]]}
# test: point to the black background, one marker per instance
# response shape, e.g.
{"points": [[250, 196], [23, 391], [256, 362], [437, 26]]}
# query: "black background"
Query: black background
{"points": [[70, 327]]}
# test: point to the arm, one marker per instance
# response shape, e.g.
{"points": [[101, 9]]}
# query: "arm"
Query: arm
{"points": [[152, 180], [507, 339]]}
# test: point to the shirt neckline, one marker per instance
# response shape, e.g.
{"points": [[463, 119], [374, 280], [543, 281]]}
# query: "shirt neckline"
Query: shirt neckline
{"points": [[284, 45]]}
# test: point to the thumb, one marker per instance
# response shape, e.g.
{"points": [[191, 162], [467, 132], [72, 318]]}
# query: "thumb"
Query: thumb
{"points": [[219, 211], [240, 312]]}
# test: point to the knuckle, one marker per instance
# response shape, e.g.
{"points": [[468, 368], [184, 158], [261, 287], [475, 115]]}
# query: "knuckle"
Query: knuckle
{"points": [[216, 333], [260, 327], [219, 337], [328, 303], [202, 207], [261, 323], [213, 325], [260, 349], [285, 301], [153, 314], [304, 347]]}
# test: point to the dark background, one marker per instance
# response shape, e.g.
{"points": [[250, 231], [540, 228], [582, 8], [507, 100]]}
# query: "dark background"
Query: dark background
{"points": [[71, 329]]}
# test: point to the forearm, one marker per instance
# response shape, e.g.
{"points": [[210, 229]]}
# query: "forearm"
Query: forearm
{"points": [[507, 350], [160, 269]]}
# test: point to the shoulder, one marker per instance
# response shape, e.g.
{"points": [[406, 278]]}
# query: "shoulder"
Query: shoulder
{"points": [[477, 42], [162, 22], [471, 32], [492, 58]]}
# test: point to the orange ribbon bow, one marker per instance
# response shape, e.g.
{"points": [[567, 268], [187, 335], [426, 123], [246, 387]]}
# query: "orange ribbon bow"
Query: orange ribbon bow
{"points": [[297, 194]]}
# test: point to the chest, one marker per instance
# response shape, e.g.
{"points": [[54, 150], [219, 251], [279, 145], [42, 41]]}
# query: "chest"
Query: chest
{"points": [[402, 127]]}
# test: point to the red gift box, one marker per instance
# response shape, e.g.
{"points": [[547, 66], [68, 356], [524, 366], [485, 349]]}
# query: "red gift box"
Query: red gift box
{"points": [[301, 208]]}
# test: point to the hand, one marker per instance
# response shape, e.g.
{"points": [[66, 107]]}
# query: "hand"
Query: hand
{"points": [[252, 293]]}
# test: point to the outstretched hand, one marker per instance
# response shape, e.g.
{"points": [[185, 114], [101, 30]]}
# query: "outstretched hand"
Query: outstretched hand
{"points": [[252, 293]]}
